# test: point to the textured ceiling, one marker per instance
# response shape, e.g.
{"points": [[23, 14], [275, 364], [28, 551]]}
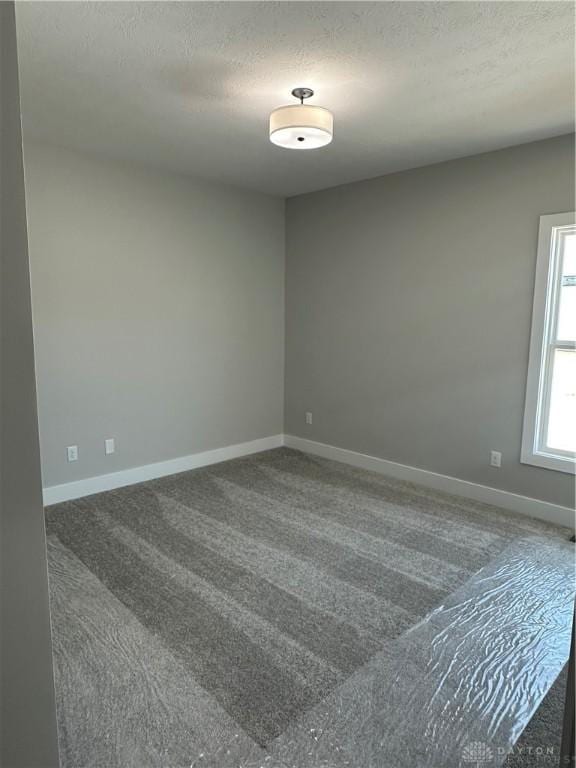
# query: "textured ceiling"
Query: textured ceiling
{"points": [[188, 86]]}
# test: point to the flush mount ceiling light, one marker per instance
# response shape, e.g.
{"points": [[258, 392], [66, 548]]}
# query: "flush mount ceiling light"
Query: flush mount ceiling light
{"points": [[301, 126]]}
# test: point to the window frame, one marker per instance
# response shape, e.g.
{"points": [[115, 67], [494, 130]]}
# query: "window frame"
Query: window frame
{"points": [[543, 344]]}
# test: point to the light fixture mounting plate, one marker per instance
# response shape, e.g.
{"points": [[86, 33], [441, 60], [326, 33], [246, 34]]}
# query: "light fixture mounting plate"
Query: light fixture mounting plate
{"points": [[302, 93]]}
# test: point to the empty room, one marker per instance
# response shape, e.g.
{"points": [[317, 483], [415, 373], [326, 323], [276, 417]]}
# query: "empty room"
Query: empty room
{"points": [[288, 384]]}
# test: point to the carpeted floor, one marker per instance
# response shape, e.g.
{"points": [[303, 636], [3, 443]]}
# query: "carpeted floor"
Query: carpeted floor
{"points": [[539, 744], [224, 602]]}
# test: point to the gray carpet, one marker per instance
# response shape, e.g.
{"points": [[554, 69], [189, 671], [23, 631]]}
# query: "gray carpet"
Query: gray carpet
{"points": [[539, 744], [222, 603]]}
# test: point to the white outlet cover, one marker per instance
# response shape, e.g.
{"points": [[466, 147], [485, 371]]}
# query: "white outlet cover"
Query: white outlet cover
{"points": [[72, 452], [109, 446], [495, 459]]}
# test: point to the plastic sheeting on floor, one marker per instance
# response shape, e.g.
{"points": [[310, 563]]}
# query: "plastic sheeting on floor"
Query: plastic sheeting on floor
{"points": [[454, 691]]}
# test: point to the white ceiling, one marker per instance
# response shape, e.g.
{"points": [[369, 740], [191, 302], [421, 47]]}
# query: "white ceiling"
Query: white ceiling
{"points": [[188, 86]]}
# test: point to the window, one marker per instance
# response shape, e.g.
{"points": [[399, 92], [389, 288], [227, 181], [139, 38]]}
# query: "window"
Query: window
{"points": [[549, 436]]}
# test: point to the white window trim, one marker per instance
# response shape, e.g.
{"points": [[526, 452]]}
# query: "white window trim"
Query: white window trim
{"points": [[546, 289]]}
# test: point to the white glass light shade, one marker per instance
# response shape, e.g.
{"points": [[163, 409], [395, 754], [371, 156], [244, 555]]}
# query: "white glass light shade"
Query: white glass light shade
{"points": [[301, 126]]}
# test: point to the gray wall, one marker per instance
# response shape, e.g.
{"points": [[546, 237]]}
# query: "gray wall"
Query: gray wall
{"points": [[27, 714], [409, 302], [158, 312]]}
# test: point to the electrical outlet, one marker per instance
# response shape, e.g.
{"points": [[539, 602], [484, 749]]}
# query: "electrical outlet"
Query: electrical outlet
{"points": [[308, 417], [495, 459], [109, 446], [72, 451]]}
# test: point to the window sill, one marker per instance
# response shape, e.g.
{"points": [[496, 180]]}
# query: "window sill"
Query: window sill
{"points": [[549, 461]]}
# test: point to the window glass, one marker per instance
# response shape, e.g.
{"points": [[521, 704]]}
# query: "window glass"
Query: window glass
{"points": [[562, 412], [549, 433], [566, 328]]}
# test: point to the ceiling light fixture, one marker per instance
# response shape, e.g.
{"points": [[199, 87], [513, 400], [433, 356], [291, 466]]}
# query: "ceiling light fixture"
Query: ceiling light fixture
{"points": [[301, 126]]}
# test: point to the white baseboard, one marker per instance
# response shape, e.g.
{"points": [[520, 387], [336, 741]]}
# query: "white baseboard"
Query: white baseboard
{"points": [[75, 490], [543, 510]]}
